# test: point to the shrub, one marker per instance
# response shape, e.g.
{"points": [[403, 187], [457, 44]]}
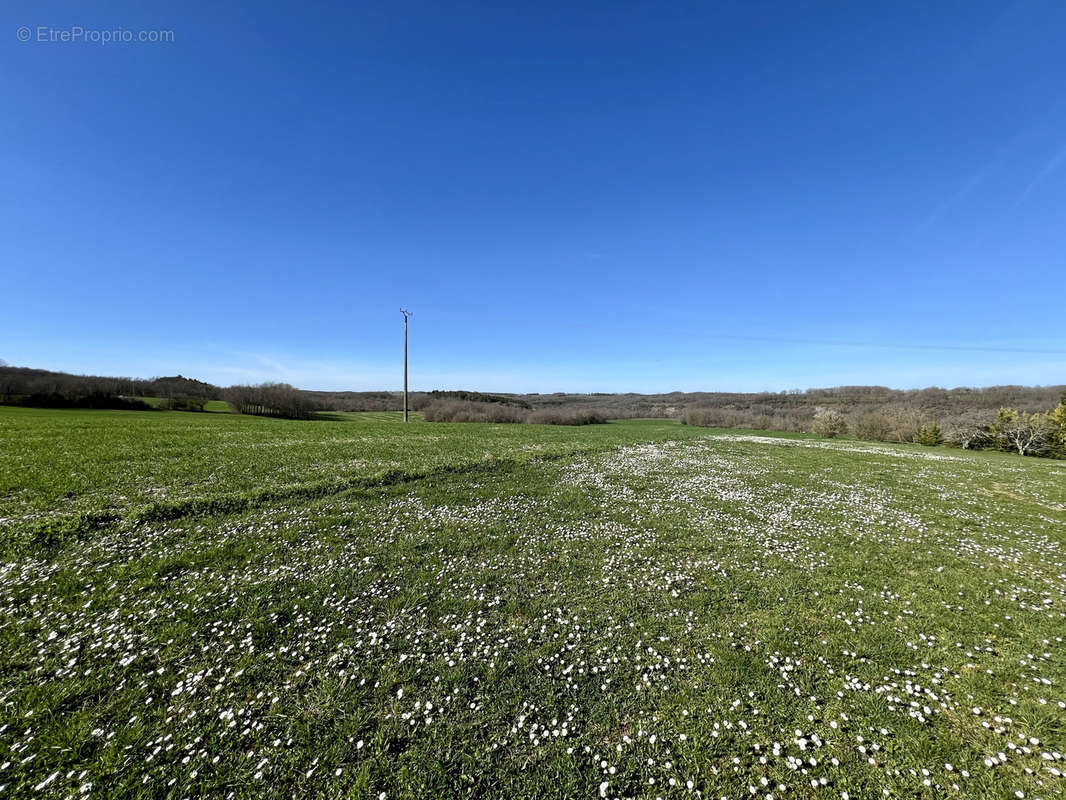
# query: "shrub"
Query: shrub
{"points": [[930, 435], [476, 411], [704, 417], [1057, 420], [99, 401], [904, 424], [567, 416], [970, 432], [471, 411], [183, 404], [829, 422], [873, 427], [713, 417]]}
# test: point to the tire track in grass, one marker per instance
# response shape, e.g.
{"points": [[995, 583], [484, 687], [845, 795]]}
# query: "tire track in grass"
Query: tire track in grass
{"points": [[53, 533]]}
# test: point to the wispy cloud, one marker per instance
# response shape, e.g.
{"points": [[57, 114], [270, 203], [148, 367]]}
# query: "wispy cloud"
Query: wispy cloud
{"points": [[995, 161], [884, 345], [941, 209], [1053, 164]]}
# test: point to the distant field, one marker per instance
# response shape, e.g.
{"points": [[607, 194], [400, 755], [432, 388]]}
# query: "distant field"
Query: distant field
{"points": [[629, 610]]}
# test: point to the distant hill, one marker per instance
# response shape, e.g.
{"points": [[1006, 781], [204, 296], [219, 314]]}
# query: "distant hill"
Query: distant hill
{"points": [[788, 410], [45, 388], [903, 409]]}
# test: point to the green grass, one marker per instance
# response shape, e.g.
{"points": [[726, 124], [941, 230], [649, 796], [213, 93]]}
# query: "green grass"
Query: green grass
{"points": [[525, 611], [65, 469]]}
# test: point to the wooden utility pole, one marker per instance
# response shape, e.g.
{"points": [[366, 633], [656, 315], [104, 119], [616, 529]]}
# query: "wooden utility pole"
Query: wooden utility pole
{"points": [[406, 314]]}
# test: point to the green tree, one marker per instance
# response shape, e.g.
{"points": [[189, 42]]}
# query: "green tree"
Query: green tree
{"points": [[930, 435], [1057, 420]]}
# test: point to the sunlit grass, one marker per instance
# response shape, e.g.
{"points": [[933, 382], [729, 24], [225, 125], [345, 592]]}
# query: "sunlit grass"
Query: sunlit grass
{"points": [[649, 613]]}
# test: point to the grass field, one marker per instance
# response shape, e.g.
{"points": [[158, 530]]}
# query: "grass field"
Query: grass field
{"points": [[242, 607], [65, 471]]}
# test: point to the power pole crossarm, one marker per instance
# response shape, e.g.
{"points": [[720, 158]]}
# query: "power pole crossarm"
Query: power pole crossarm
{"points": [[406, 315]]}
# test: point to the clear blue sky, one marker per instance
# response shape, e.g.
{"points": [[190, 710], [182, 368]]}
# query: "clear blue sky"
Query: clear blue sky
{"points": [[569, 196]]}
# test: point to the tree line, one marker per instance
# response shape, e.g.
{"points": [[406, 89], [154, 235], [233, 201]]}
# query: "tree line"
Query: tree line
{"points": [[1027, 433], [48, 389], [41, 388], [1020, 419], [271, 400]]}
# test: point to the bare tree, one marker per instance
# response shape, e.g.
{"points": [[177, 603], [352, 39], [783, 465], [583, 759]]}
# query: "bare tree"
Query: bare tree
{"points": [[1028, 434], [270, 400], [970, 431]]}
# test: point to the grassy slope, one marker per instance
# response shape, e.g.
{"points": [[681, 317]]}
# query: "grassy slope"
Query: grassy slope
{"points": [[712, 610]]}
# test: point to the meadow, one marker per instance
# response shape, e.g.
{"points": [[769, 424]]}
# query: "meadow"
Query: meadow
{"points": [[65, 473], [212, 605]]}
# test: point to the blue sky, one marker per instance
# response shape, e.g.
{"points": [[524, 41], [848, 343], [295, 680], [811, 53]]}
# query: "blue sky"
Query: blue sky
{"points": [[571, 196]]}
